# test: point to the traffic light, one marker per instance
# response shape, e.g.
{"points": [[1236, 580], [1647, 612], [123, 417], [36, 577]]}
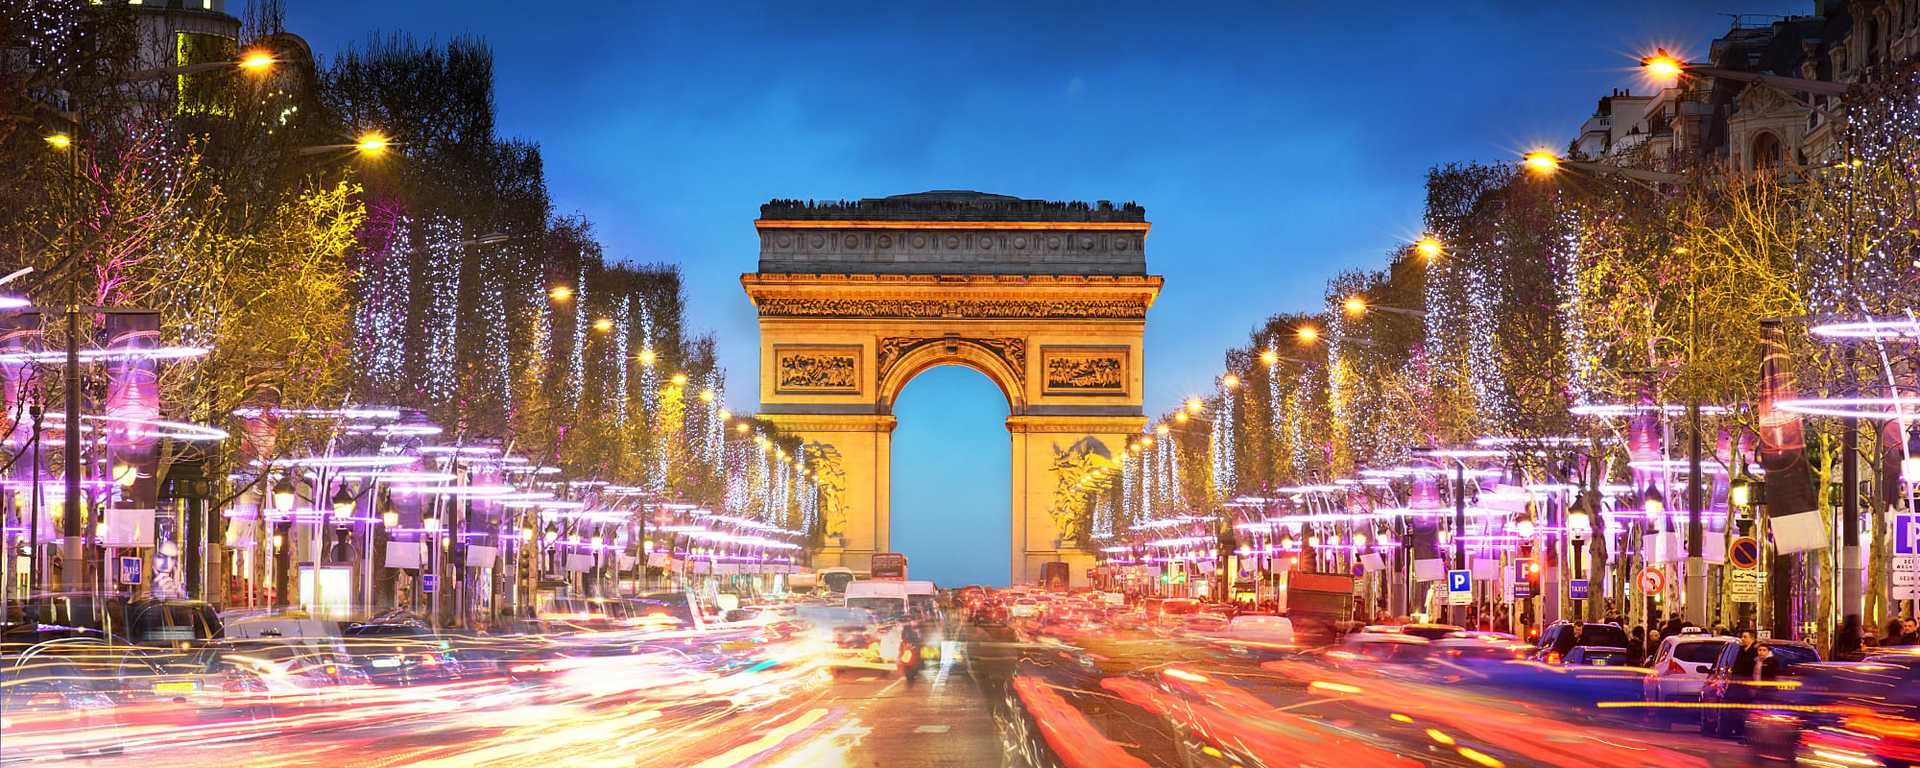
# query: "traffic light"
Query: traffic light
{"points": [[1530, 571]]}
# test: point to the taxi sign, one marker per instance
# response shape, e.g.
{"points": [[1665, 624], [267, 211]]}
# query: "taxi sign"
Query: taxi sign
{"points": [[1577, 589]]}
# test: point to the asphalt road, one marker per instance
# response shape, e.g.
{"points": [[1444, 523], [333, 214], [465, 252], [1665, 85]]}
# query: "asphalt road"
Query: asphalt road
{"points": [[996, 698]]}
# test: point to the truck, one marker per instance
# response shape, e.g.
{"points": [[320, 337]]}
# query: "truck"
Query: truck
{"points": [[1320, 604]]}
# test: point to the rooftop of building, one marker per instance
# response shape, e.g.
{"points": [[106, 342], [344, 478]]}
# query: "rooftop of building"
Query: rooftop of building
{"points": [[951, 205]]}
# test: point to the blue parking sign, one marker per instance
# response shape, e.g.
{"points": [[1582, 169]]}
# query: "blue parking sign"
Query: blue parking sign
{"points": [[1906, 534], [1459, 581]]}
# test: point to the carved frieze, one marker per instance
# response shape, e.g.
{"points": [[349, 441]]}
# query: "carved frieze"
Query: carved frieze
{"points": [[1010, 350], [1125, 309], [1084, 370], [816, 370]]}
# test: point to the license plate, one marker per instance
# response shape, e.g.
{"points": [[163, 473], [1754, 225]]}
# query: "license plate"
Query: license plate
{"points": [[385, 663], [175, 687]]}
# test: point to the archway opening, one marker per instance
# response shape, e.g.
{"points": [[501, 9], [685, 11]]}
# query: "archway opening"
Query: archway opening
{"points": [[952, 480]]}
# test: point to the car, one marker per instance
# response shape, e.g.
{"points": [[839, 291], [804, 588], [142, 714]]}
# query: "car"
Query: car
{"points": [[1722, 686], [1560, 636], [854, 638], [1429, 631], [1478, 648], [1680, 665], [1259, 637], [1381, 647], [1023, 608], [275, 676], [400, 653], [80, 695], [1873, 726], [1597, 656]]}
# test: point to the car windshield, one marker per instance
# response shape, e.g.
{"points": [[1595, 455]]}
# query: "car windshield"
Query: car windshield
{"points": [[1699, 652], [1603, 634], [880, 607], [1787, 655]]}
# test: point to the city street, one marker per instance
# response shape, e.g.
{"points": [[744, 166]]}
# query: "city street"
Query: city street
{"points": [[778, 385]]}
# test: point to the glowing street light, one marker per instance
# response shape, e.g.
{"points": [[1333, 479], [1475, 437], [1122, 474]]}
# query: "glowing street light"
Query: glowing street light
{"points": [[1307, 334], [1354, 305], [647, 357], [1269, 357], [560, 293], [1541, 161], [707, 395], [679, 379], [1163, 429], [1194, 405], [1428, 247], [603, 325], [60, 141], [257, 61], [372, 143], [1662, 65], [1230, 381]]}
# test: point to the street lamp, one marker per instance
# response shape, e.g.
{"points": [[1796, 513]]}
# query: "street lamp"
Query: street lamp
{"points": [[1357, 305], [1665, 67], [560, 293], [603, 325], [1307, 334], [1230, 381], [1910, 466], [1543, 163], [343, 501], [1429, 247], [283, 496]]}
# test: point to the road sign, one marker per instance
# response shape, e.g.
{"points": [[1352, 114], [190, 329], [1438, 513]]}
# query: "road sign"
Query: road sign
{"points": [[427, 581], [1522, 590], [1906, 573], [1906, 534], [130, 570], [1460, 587], [1744, 553], [1743, 585], [1652, 581], [1577, 589]]}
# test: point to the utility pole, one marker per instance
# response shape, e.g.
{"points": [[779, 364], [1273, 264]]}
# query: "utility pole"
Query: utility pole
{"points": [[1459, 530], [72, 545], [1696, 529]]}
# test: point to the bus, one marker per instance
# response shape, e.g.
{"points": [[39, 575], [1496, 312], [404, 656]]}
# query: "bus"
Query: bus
{"points": [[888, 566]]}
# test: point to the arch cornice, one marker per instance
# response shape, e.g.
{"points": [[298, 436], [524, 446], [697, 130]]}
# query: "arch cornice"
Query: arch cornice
{"points": [[1001, 359]]}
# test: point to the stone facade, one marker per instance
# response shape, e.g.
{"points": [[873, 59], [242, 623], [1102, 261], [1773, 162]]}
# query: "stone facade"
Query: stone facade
{"points": [[952, 233]]}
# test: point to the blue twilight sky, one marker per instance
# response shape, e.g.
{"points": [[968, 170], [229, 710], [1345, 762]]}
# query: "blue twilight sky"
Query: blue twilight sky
{"points": [[1272, 144]]}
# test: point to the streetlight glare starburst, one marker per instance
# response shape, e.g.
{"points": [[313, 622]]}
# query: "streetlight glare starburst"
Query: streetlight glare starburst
{"points": [[372, 143], [1428, 247], [1540, 161], [1269, 357], [1354, 305], [560, 293], [1307, 334], [257, 61], [59, 141], [1662, 66]]}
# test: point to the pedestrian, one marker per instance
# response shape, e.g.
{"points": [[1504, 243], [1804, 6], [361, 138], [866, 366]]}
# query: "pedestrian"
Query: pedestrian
{"points": [[1673, 626], [1846, 645], [1893, 633], [1909, 633], [1637, 646]]}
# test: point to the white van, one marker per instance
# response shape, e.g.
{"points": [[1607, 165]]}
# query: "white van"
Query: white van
{"points": [[923, 599], [886, 600]]}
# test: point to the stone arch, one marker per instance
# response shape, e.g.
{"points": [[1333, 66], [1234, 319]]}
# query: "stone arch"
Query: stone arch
{"points": [[1002, 361], [1766, 152], [1046, 299]]}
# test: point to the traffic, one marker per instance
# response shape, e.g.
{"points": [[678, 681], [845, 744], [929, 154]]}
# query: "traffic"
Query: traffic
{"points": [[1058, 676]]}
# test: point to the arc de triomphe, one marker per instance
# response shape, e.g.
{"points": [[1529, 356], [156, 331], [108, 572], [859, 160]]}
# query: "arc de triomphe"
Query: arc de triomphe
{"points": [[1048, 299]]}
